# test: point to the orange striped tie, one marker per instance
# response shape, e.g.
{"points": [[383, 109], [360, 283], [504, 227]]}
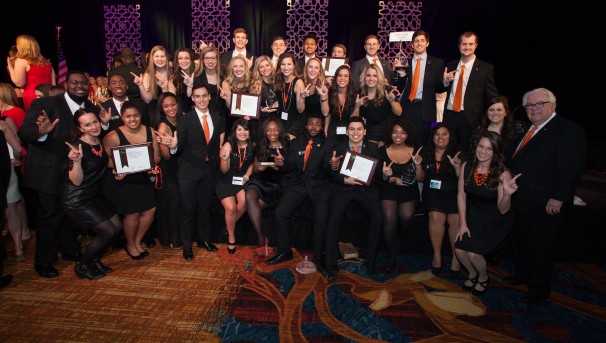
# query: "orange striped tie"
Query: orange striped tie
{"points": [[415, 81], [526, 138], [307, 152], [206, 128], [457, 104]]}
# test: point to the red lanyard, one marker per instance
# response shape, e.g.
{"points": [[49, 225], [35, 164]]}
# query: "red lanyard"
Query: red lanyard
{"points": [[438, 163]]}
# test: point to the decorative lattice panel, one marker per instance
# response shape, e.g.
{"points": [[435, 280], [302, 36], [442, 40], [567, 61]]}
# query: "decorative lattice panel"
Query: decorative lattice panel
{"points": [[122, 30], [210, 23], [306, 16], [395, 16]]}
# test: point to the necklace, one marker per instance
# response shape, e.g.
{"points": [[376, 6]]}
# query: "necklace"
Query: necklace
{"points": [[98, 152], [480, 179]]}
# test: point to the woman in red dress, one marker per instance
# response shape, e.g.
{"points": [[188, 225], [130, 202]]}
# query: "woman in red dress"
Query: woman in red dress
{"points": [[29, 68]]}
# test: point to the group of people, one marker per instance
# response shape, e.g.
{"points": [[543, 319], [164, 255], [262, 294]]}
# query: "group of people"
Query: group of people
{"points": [[480, 173]]}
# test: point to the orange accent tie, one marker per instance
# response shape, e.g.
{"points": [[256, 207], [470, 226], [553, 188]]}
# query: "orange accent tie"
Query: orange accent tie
{"points": [[457, 104], [355, 148], [205, 128], [121, 103], [415, 81], [526, 138], [374, 61], [307, 152]]}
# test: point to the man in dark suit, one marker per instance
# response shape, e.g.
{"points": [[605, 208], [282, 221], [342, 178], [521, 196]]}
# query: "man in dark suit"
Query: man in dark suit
{"points": [[348, 190], [240, 40], [127, 69], [310, 45], [48, 124], [110, 118], [551, 158], [419, 104], [5, 176], [473, 79], [372, 47], [309, 162], [200, 134]]}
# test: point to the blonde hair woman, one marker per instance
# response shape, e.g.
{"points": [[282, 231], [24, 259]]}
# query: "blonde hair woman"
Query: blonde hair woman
{"points": [[29, 68]]}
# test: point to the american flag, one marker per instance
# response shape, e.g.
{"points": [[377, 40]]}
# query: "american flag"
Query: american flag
{"points": [[62, 70]]}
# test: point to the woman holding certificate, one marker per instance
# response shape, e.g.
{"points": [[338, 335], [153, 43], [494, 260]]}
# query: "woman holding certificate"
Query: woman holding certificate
{"points": [[133, 196], [288, 88], [236, 80], [82, 198], [264, 189], [262, 83], [315, 92], [342, 99], [236, 168], [376, 102]]}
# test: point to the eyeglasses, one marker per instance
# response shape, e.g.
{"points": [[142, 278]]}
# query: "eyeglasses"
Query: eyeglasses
{"points": [[76, 82], [540, 104]]}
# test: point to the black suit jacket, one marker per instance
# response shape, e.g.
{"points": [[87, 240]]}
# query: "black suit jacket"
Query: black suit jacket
{"points": [[358, 67], [192, 147], [45, 164], [369, 149], [116, 120], [316, 176], [432, 84], [226, 57], [481, 87], [551, 164]]}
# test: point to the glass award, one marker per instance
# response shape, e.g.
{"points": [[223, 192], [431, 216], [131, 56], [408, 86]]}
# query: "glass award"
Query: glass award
{"points": [[401, 56], [271, 100]]}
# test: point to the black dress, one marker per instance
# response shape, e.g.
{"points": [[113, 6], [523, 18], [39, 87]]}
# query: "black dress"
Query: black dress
{"points": [[440, 185], [488, 227], [287, 102], [407, 173], [135, 193], [239, 161], [376, 116], [339, 117], [168, 212], [269, 183], [255, 125], [85, 204]]}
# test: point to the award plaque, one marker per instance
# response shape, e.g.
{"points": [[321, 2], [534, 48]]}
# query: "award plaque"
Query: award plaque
{"points": [[359, 166], [245, 104], [133, 158]]}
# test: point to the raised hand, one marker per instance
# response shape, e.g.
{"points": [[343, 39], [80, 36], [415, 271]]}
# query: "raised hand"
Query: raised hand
{"points": [[188, 80], [322, 91], [202, 44], [44, 124], [335, 160], [162, 83], [223, 94], [74, 154], [387, 171], [416, 158], [510, 186], [393, 94], [305, 91], [455, 161], [225, 152], [360, 101], [138, 78], [105, 115], [449, 76], [279, 159]]}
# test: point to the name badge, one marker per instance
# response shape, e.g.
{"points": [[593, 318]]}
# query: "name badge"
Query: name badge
{"points": [[435, 184], [341, 130], [284, 116], [237, 180]]}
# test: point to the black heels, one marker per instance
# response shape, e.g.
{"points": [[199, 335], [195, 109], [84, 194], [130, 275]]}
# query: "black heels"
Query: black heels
{"points": [[134, 257], [473, 283], [231, 250], [483, 284], [436, 270]]}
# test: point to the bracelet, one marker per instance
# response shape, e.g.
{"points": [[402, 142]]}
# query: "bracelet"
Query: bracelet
{"points": [[323, 100]]}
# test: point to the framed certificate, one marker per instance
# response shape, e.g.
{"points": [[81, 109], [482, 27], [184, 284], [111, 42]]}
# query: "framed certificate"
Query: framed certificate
{"points": [[245, 104], [331, 64], [359, 166], [133, 158]]}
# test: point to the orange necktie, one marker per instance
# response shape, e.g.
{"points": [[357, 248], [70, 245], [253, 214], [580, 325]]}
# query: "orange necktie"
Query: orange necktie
{"points": [[355, 148], [205, 128], [457, 104], [307, 152], [374, 61], [526, 138], [415, 81]]}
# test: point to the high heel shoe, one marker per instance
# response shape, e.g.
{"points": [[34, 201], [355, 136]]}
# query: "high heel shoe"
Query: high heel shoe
{"points": [[145, 253], [263, 250], [483, 284], [436, 270], [473, 283], [231, 250], [134, 257], [19, 257]]}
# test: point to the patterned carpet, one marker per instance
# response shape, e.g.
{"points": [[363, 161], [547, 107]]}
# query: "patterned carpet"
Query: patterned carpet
{"points": [[237, 298]]}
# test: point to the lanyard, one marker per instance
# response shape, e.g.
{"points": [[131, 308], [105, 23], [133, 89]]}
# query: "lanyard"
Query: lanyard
{"points": [[241, 156]]}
